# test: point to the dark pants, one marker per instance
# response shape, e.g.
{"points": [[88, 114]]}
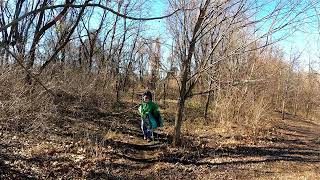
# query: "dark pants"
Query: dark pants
{"points": [[146, 128]]}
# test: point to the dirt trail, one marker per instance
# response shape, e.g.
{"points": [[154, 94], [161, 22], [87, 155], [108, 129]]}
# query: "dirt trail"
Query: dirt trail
{"points": [[292, 152], [93, 144]]}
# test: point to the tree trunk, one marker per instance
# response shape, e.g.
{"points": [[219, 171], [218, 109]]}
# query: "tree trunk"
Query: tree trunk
{"points": [[2, 55], [208, 101], [164, 95], [132, 96], [186, 63], [80, 56], [283, 109], [178, 121], [117, 90]]}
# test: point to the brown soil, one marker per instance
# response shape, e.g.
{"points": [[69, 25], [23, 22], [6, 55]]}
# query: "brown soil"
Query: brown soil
{"points": [[81, 142]]}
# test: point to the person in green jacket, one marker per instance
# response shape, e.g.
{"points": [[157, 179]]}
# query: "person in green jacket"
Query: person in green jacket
{"points": [[150, 115]]}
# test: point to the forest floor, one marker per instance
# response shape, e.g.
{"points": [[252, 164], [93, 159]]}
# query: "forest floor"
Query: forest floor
{"points": [[84, 142]]}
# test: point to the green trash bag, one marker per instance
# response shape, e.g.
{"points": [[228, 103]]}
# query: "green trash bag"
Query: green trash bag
{"points": [[155, 122]]}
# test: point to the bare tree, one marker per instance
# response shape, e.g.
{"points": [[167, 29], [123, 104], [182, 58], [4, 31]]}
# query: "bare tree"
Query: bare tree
{"points": [[224, 24]]}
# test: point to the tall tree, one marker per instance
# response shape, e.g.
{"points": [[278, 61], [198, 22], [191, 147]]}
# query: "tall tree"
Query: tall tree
{"points": [[222, 21]]}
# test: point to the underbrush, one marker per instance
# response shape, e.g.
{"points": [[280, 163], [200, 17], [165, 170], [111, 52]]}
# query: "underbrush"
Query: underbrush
{"points": [[241, 110], [29, 108], [23, 107], [231, 113]]}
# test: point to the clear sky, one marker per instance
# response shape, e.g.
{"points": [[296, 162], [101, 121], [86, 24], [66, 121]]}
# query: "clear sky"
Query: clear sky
{"points": [[157, 8], [305, 38], [158, 27]]}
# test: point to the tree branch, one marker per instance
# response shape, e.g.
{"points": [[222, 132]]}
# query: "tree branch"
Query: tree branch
{"points": [[231, 83], [15, 21]]}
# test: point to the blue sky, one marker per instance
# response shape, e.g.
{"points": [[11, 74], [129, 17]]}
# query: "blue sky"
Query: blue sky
{"points": [[157, 8], [158, 27], [303, 39]]}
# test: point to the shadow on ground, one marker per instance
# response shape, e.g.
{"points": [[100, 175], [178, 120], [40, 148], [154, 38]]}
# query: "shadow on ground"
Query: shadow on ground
{"points": [[296, 144]]}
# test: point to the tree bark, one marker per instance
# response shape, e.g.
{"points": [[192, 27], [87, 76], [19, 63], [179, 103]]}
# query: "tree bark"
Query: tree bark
{"points": [[186, 63], [208, 101]]}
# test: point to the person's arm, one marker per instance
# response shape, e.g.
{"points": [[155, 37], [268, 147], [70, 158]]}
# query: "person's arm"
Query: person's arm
{"points": [[142, 110]]}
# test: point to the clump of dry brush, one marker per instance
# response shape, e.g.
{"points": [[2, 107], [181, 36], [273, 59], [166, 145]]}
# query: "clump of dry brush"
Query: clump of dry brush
{"points": [[31, 107]]}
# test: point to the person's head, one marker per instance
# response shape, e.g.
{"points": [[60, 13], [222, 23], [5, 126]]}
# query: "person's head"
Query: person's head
{"points": [[147, 96]]}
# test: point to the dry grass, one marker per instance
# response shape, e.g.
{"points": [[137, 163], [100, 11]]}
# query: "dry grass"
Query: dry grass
{"points": [[76, 131]]}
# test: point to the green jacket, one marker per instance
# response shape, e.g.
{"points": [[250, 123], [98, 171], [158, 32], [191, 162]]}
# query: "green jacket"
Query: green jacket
{"points": [[149, 107]]}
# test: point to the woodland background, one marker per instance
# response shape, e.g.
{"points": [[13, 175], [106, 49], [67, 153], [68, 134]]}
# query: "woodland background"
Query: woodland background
{"points": [[72, 73]]}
